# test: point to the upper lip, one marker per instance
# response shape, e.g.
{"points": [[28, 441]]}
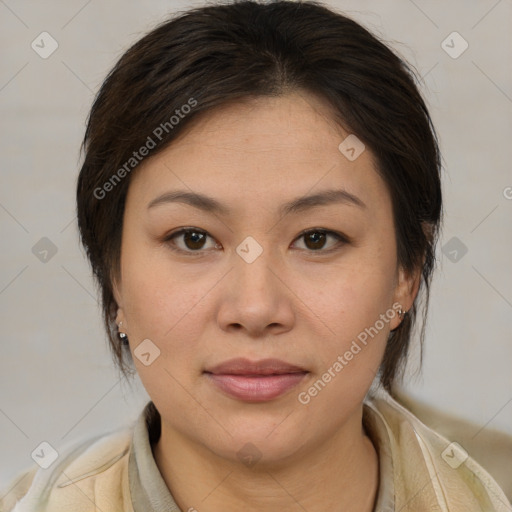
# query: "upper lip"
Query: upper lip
{"points": [[241, 366]]}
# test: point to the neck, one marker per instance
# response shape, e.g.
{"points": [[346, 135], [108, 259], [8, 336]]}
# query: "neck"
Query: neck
{"points": [[340, 473]]}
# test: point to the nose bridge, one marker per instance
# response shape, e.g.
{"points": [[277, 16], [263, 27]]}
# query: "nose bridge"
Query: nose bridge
{"points": [[254, 264], [255, 298]]}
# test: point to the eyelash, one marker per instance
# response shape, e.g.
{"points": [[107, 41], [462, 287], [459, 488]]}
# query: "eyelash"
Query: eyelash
{"points": [[342, 240]]}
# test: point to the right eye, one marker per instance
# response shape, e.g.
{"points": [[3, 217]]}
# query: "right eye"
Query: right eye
{"points": [[193, 240]]}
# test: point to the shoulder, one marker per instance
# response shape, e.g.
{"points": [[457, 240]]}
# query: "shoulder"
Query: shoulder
{"points": [[429, 471], [83, 476]]}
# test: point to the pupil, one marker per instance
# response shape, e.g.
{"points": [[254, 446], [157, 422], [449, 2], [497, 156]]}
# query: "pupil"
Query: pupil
{"points": [[317, 238], [194, 238]]}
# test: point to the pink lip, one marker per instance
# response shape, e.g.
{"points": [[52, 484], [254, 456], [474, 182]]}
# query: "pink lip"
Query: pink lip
{"points": [[256, 381]]}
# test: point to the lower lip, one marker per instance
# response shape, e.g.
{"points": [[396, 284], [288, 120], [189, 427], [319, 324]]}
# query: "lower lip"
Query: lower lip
{"points": [[256, 388]]}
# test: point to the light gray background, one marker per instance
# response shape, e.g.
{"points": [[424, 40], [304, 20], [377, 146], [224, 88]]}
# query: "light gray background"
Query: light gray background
{"points": [[57, 379]]}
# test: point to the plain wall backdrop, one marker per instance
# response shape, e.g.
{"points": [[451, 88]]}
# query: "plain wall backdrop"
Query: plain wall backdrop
{"points": [[57, 378]]}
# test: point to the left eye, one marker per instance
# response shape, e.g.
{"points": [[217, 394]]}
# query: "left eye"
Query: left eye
{"points": [[195, 239], [315, 239]]}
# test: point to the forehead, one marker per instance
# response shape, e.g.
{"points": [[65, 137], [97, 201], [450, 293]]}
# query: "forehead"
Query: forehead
{"points": [[262, 149], [265, 125]]}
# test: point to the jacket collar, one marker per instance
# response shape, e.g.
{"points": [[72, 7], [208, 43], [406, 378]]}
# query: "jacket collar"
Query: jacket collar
{"points": [[150, 493]]}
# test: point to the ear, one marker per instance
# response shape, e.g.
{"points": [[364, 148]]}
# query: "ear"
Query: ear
{"points": [[117, 291], [118, 296], [407, 287]]}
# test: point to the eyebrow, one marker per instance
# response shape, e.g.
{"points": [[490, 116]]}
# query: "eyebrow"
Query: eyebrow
{"points": [[300, 204]]}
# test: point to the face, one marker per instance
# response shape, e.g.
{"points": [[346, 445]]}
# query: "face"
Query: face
{"points": [[263, 320]]}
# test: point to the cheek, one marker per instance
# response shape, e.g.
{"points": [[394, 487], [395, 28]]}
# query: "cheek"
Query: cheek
{"points": [[354, 295], [350, 355], [351, 306], [163, 307], [157, 297]]}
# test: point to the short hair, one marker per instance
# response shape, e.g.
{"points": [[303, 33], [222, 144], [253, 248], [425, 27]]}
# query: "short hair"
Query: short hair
{"points": [[218, 54]]}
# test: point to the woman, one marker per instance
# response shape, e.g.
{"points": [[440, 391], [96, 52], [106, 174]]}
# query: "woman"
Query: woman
{"points": [[260, 200]]}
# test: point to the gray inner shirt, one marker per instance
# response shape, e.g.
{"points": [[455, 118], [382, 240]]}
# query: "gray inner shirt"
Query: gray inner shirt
{"points": [[149, 492]]}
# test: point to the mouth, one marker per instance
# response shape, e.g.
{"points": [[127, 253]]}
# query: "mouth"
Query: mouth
{"points": [[255, 381]]}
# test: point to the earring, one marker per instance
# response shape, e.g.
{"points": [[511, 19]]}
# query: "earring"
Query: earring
{"points": [[401, 313], [122, 335]]}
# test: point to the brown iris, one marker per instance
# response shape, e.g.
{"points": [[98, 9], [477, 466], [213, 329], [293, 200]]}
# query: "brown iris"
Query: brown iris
{"points": [[317, 238]]}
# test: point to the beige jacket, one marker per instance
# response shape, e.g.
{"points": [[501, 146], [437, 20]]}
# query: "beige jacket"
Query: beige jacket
{"points": [[420, 471]]}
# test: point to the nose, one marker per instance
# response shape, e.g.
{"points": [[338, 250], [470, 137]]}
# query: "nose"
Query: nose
{"points": [[255, 298]]}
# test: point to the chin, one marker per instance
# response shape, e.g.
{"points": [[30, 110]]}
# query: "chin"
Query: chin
{"points": [[262, 441], [260, 453]]}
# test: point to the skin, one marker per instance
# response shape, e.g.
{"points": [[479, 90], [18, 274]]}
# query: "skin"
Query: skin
{"points": [[294, 302]]}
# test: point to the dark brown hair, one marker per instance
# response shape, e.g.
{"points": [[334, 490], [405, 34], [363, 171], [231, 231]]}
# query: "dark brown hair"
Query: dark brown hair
{"points": [[213, 55]]}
